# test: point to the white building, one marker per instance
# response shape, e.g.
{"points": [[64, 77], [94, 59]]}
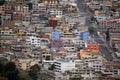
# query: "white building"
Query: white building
{"points": [[33, 41], [64, 65], [57, 12], [39, 7]]}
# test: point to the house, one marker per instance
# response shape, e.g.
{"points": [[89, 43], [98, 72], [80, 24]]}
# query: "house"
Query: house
{"points": [[57, 12], [25, 64], [83, 52], [56, 44], [92, 46], [60, 76], [6, 32], [64, 65], [55, 35], [84, 36], [26, 18], [60, 54], [39, 7], [111, 69], [5, 17], [33, 41], [79, 43], [46, 55], [1, 8], [50, 1], [17, 16], [52, 23], [95, 5], [73, 19]]}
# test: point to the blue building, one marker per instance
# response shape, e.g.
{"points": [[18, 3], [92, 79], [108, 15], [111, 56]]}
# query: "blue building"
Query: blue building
{"points": [[84, 36], [55, 35], [99, 17]]}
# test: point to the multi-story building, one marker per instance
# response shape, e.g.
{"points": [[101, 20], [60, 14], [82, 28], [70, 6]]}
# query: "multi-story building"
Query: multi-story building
{"points": [[39, 7], [85, 36], [55, 35], [50, 1], [57, 12], [33, 41], [7, 32], [17, 16], [92, 46], [104, 24], [111, 69], [73, 19], [6, 17], [25, 64], [64, 65], [86, 52]]}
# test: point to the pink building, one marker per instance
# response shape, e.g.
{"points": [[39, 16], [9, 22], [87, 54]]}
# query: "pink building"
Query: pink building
{"points": [[1, 9]]}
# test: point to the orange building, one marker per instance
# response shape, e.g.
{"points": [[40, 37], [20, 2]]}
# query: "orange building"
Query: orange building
{"points": [[86, 52], [93, 46], [107, 3]]}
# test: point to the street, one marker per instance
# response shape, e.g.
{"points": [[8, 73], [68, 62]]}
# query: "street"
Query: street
{"points": [[103, 47]]}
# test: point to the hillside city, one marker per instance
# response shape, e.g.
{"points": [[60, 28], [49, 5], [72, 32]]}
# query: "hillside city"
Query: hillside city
{"points": [[59, 39]]}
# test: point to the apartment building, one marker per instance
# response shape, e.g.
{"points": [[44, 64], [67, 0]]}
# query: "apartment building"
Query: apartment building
{"points": [[107, 23], [85, 36], [17, 16], [5, 17], [92, 46], [25, 64], [94, 5], [85, 53], [55, 35], [6, 32], [73, 19], [54, 11], [50, 1], [111, 69], [33, 41], [64, 65]]}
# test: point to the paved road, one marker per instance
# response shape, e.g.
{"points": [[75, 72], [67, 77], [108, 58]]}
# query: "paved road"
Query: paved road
{"points": [[103, 47], [84, 11]]}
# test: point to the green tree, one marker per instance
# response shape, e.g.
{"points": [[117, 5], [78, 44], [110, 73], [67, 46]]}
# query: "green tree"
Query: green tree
{"points": [[52, 67], [23, 76], [33, 72], [10, 66], [47, 58], [3, 78], [93, 18], [11, 72], [2, 2], [30, 6], [91, 29], [1, 69]]}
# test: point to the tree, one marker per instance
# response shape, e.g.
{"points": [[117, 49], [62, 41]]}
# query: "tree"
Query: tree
{"points": [[93, 18], [3, 78], [23, 76], [33, 72], [47, 58], [52, 67], [11, 71], [91, 30], [2, 2], [10, 66], [1, 69], [30, 6]]}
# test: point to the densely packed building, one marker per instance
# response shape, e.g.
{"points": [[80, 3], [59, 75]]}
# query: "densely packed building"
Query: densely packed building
{"points": [[48, 32]]}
